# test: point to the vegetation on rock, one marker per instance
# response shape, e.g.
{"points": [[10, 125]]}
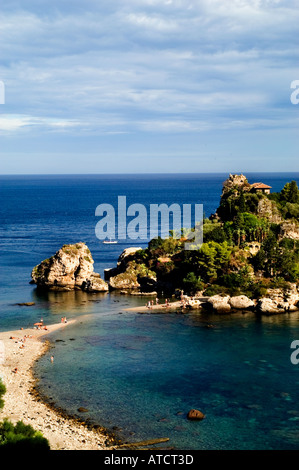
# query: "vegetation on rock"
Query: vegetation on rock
{"points": [[250, 245]]}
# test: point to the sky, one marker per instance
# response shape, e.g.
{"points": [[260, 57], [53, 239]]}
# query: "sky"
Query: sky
{"points": [[148, 86]]}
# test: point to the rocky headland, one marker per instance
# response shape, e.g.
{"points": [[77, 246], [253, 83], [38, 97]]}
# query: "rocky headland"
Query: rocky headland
{"points": [[249, 259]]}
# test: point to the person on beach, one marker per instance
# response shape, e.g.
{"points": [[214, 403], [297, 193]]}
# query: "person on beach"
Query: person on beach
{"points": [[52, 359]]}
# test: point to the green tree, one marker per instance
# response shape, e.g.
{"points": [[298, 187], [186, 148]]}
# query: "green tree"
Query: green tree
{"points": [[291, 210], [290, 192], [212, 259], [288, 265], [192, 283], [242, 202], [21, 436], [268, 255]]}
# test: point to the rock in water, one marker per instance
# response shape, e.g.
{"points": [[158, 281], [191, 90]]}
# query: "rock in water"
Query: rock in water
{"points": [[82, 409], [219, 303], [70, 268], [241, 302], [195, 415]]}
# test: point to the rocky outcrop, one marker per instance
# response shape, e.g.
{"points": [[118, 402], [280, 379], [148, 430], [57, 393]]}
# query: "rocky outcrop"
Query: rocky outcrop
{"points": [[130, 275], [70, 268], [126, 256], [280, 300], [268, 210], [124, 281], [289, 230], [277, 301], [135, 276], [219, 303], [95, 284], [241, 302], [235, 181], [267, 305]]}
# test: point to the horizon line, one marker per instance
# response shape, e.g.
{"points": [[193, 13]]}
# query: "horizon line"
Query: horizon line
{"points": [[147, 173]]}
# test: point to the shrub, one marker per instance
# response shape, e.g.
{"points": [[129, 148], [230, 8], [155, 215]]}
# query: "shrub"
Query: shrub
{"points": [[214, 289], [192, 283], [258, 290], [241, 279], [21, 436], [2, 392]]}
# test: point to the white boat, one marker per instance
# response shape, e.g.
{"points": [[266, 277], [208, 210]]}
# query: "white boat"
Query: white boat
{"points": [[110, 242]]}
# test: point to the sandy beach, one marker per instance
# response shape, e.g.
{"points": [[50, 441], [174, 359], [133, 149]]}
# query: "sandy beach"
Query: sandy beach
{"points": [[163, 308], [21, 403]]}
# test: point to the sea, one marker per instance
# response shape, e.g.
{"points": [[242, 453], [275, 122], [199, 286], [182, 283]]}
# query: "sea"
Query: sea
{"points": [[138, 374]]}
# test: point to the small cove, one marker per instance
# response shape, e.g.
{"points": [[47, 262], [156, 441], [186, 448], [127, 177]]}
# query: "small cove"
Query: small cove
{"points": [[140, 374]]}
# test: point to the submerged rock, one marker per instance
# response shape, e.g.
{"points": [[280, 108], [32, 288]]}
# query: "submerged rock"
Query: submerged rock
{"points": [[26, 304], [83, 410], [195, 415], [70, 268]]}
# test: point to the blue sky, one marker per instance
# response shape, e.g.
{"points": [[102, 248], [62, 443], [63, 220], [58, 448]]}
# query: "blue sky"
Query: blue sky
{"points": [[148, 86]]}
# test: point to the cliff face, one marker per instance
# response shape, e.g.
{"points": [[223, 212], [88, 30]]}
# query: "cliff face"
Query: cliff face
{"points": [[268, 210], [289, 229], [70, 268]]}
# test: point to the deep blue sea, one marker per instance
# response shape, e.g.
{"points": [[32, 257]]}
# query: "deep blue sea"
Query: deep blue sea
{"points": [[140, 374]]}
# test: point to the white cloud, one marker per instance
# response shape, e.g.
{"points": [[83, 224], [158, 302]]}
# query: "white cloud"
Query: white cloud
{"points": [[152, 22], [118, 66], [12, 123]]}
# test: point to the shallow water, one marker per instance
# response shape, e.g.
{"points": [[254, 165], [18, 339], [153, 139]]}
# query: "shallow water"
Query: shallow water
{"points": [[140, 374]]}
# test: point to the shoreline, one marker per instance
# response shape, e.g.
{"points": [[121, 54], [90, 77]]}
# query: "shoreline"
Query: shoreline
{"points": [[23, 402], [160, 308]]}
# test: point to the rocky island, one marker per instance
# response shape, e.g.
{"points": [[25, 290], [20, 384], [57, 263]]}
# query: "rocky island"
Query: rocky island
{"points": [[249, 258], [70, 268]]}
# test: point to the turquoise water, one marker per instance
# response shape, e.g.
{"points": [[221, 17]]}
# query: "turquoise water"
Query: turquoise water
{"points": [[141, 373]]}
